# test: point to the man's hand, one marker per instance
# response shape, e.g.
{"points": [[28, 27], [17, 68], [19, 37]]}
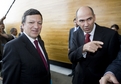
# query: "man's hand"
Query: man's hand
{"points": [[92, 46], [108, 78], [3, 17], [4, 35], [1, 20]]}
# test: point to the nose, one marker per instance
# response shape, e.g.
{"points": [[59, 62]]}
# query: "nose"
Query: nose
{"points": [[86, 23], [36, 25]]}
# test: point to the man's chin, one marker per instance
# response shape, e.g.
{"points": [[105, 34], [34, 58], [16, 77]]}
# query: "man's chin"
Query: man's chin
{"points": [[87, 31], [35, 36]]}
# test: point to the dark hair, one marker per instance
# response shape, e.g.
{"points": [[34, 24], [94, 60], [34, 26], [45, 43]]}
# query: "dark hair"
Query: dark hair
{"points": [[30, 12], [91, 10], [115, 26], [74, 19], [12, 30]]}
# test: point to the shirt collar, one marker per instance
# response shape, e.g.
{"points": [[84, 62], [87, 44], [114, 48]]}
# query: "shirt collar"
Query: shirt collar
{"points": [[31, 39], [75, 28], [13, 35]]}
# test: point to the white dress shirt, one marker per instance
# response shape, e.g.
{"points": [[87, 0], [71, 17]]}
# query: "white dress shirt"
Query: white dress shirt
{"points": [[32, 41], [91, 38]]}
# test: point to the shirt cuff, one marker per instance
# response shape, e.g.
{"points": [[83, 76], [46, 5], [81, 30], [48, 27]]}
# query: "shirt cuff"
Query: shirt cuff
{"points": [[84, 54], [109, 72]]}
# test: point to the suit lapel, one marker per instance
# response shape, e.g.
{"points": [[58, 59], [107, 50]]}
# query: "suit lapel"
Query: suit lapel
{"points": [[97, 37], [97, 33], [43, 48], [32, 50], [42, 45], [81, 36], [30, 47]]}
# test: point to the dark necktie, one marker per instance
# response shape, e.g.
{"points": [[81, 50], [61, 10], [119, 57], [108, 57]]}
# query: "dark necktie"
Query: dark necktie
{"points": [[40, 53], [87, 38]]}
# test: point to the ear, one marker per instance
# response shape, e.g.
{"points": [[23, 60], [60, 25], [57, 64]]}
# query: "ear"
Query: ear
{"points": [[94, 17], [77, 22], [22, 26]]}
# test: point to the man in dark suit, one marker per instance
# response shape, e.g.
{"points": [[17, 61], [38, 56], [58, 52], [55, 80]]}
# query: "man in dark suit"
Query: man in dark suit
{"points": [[22, 62], [116, 28], [13, 32], [113, 71], [70, 42], [93, 56]]}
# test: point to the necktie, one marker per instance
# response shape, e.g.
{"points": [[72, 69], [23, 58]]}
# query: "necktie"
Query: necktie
{"points": [[40, 53], [87, 38]]}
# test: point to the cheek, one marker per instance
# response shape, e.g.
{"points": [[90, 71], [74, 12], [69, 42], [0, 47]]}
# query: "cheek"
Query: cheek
{"points": [[91, 24], [25, 29], [40, 28]]}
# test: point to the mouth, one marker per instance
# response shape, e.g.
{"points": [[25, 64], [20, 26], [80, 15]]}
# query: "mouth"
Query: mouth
{"points": [[87, 30], [34, 31]]}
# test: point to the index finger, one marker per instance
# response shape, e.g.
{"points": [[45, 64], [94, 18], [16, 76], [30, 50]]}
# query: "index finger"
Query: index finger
{"points": [[98, 42]]}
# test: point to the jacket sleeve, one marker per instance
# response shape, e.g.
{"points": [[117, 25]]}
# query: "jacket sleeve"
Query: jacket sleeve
{"points": [[11, 65], [115, 66], [113, 47], [75, 52]]}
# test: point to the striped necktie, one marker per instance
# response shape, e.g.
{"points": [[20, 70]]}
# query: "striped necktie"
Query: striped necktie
{"points": [[40, 53]]}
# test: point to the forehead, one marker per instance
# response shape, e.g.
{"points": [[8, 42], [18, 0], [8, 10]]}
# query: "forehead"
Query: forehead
{"points": [[34, 17], [84, 13]]}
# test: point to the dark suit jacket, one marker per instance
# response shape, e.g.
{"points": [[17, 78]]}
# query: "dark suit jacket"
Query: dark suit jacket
{"points": [[90, 70], [72, 30], [115, 66], [20, 33], [70, 36], [22, 63], [120, 38]]}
